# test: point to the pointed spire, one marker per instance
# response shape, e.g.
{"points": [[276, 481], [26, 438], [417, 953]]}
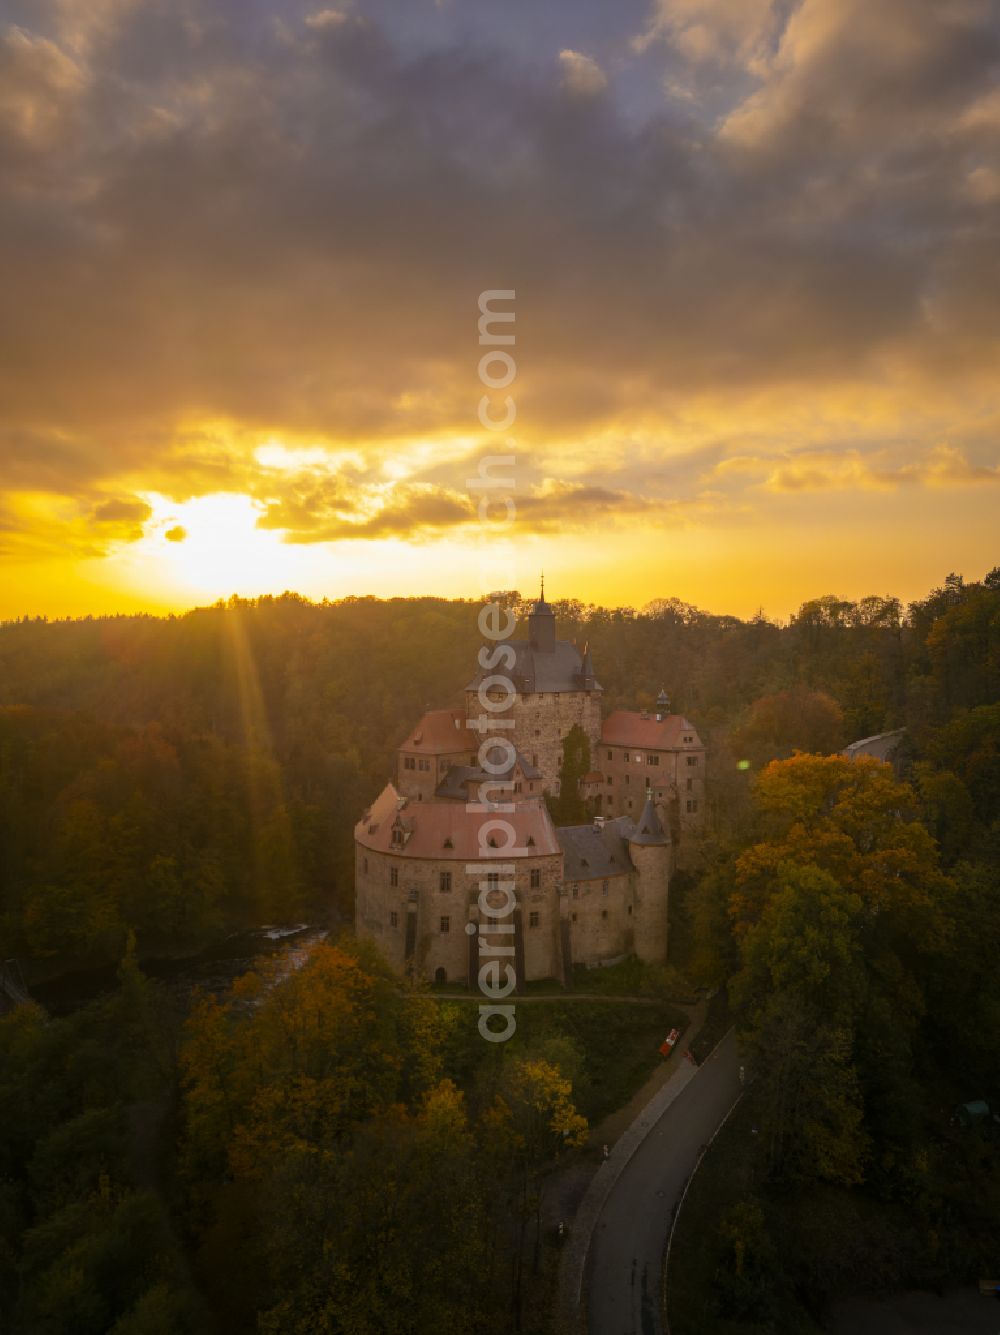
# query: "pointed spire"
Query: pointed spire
{"points": [[649, 830]]}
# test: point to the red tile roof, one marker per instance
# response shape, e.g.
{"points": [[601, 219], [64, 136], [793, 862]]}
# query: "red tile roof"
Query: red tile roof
{"points": [[441, 732], [625, 727], [431, 826]]}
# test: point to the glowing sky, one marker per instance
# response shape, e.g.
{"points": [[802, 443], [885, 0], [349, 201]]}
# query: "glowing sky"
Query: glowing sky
{"points": [[755, 245]]}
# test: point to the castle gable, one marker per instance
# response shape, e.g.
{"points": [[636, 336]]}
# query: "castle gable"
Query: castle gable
{"points": [[647, 732], [441, 732]]}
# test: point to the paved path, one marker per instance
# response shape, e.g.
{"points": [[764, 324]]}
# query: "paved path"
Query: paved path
{"points": [[626, 1254]]}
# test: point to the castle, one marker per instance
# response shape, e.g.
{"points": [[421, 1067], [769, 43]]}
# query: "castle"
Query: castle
{"points": [[586, 894]]}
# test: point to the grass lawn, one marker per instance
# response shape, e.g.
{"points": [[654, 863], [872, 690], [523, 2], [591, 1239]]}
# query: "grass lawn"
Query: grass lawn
{"points": [[608, 1047]]}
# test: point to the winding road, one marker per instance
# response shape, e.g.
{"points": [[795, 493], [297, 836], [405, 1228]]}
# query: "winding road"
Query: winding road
{"points": [[625, 1264]]}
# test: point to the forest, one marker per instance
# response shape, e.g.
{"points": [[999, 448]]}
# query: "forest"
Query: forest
{"points": [[183, 777], [324, 1151]]}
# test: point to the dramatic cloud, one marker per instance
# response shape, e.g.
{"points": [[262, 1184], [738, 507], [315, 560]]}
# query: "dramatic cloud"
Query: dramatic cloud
{"points": [[581, 74], [754, 244]]}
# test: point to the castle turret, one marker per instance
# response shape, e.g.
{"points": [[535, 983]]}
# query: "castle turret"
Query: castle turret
{"points": [[585, 677], [662, 704], [650, 851], [542, 626]]}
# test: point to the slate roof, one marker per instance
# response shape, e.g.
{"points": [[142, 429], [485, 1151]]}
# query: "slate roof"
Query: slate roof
{"points": [[447, 830], [592, 853], [535, 670], [625, 727], [648, 829], [453, 783]]}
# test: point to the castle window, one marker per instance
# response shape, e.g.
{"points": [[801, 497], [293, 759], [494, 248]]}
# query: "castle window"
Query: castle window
{"points": [[604, 889], [609, 755], [533, 919], [628, 778], [630, 910], [473, 760], [394, 919], [652, 760], [692, 760], [689, 739], [637, 758], [517, 787], [630, 804], [409, 762], [610, 780], [604, 913], [397, 837], [364, 864], [448, 844], [423, 763], [690, 785], [574, 917], [576, 891], [536, 877], [444, 882], [626, 757], [530, 842], [445, 924], [394, 876], [692, 805]]}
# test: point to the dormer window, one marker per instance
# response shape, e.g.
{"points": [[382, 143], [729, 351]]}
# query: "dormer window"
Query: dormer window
{"points": [[397, 837], [448, 844]]}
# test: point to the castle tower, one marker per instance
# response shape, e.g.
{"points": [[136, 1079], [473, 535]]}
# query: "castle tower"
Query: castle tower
{"points": [[650, 850], [542, 626]]}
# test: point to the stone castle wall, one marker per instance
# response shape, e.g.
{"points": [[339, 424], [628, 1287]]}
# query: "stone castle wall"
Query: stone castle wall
{"points": [[542, 721], [377, 899]]}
